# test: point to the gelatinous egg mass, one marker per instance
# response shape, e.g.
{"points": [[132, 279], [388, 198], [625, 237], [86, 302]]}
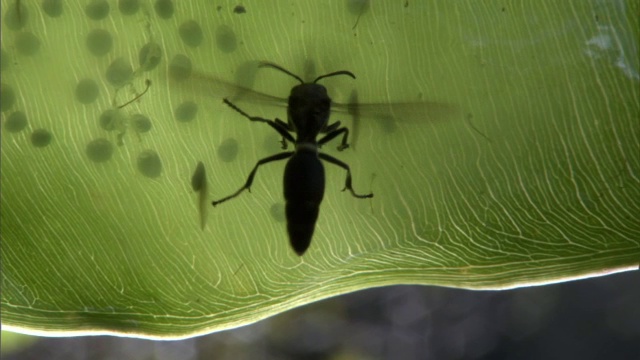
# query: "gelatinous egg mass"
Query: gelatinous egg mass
{"points": [[16, 122], [53, 8], [99, 42], [87, 91], [7, 97], [99, 150], [140, 123], [186, 111], [111, 119], [191, 33], [226, 39], [149, 164], [41, 138], [128, 7], [97, 9], [149, 56], [26, 43], [119, 72], [180, 67], [16, 15], [164, 8], [228, 150]]}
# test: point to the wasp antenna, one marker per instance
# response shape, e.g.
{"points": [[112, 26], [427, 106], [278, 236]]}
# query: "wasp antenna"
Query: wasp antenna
{"points": [[341, 72], [278, 67]]}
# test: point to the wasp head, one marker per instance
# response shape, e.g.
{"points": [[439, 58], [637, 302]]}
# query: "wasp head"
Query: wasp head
{"points": [[308, 110]]}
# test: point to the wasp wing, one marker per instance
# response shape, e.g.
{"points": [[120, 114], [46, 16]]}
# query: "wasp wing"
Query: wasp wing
{"points": [[388, 115], [240, 89], [211, 86]]}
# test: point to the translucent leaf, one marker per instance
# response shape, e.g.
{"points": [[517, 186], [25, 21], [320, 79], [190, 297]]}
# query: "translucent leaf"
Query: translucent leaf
{"points": [[530, 175]]}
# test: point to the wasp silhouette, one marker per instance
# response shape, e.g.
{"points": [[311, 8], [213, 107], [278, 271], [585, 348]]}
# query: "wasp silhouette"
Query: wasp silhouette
{"points": [[308, 111]]}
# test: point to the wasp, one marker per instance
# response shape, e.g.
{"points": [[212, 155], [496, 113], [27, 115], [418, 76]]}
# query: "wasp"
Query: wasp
{"points": [[308, 110]]}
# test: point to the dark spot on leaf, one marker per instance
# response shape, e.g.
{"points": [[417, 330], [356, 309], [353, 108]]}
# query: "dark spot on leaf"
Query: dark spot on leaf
{"points": [[239, 9], [228, 150], [226, 39], [128, 7], [110, 119], [164, 8], [186, 111], [7, 97], [140, 123], [191, 33], [41, 138], [99, 42], [180, 67], [97, 9], [119, 73], [16, 18], [16, 122], [27, 44], [150, 56], [53, 8], [99, 150], [149, 164], [87, 91]]}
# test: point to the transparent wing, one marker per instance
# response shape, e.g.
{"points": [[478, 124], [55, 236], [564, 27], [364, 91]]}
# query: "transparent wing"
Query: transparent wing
{"points": [[221, 89], [431, 111], [200, 83], [387, 115]]}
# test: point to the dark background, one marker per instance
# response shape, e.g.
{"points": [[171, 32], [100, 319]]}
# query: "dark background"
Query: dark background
{"points": [[596, 318]]}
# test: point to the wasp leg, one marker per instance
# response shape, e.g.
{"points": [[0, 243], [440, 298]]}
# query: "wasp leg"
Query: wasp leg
{"points": [[331, 127], [278, 125], [335, 133], [285, 126], [347, 183], [247, 185]]}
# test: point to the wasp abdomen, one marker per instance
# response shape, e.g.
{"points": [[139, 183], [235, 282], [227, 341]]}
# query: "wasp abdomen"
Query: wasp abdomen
{"points": [[301, 221], [303, 193]]}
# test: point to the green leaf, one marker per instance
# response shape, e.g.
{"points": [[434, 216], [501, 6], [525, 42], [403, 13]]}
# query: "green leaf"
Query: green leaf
{"points": [[533, 179]]}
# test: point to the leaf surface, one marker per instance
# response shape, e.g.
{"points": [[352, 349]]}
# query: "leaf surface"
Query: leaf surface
{"points": [[531, 174]]}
